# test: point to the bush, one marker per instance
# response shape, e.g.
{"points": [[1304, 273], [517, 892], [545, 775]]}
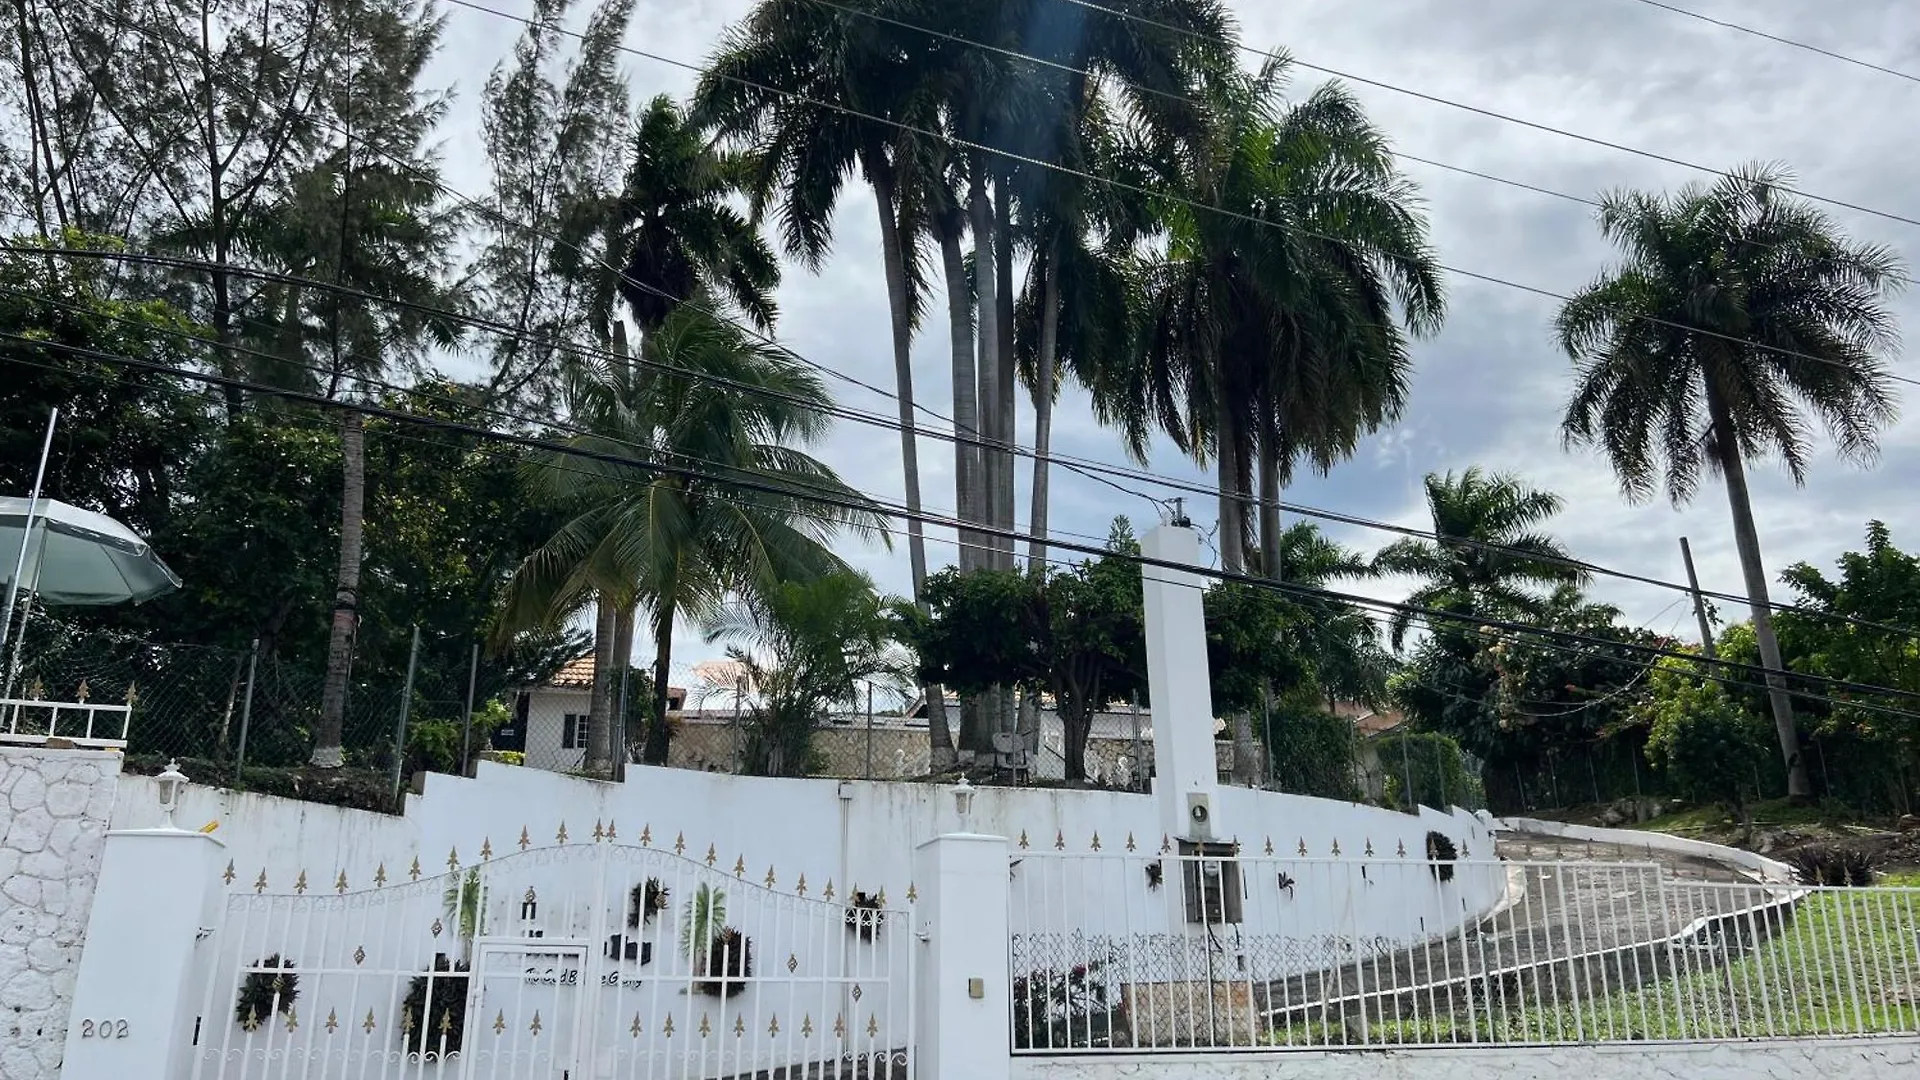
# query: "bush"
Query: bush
{"points": [[729, 963], [1426, 769], [1309, 753], [263, 993], [1831, 864], [433, 1020], [1710, 748]]}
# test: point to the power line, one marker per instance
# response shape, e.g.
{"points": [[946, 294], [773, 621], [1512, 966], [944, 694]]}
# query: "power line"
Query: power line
{"points": [[864, 504], [1566, 642], [1477, 110], [1075, 465], [1088, 468], [1789, 42]]}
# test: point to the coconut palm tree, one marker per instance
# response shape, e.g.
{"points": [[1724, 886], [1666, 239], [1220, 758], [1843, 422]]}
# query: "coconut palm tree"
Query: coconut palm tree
{"points": [[1489, 559], [1274, 332], [721, 410], [1735, 312]]}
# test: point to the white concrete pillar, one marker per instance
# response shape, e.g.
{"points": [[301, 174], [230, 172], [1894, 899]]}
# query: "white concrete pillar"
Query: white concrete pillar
{"points": [[963, 992], [141, 982], [1178, 687]]}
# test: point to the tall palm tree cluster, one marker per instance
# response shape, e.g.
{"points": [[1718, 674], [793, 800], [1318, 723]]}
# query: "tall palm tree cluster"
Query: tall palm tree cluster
{"points": [[1103, 194]]}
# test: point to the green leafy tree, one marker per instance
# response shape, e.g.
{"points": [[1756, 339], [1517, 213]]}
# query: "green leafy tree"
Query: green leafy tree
{"points": [[127, 435], [1711, 748], [1735, 311], [804, 646], [1855, 626], [681, 542], [1425, 769], [1077, 634]]}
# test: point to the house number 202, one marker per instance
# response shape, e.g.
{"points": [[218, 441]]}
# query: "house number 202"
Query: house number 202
{"points": [[103, 1029]]}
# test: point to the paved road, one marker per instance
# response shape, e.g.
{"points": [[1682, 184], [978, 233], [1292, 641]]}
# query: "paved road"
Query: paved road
{"points": [[1582, 920]]}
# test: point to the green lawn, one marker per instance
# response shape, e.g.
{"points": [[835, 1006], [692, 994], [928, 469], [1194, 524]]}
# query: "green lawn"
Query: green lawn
{"points": [[1848, 964], [1715, 819]]}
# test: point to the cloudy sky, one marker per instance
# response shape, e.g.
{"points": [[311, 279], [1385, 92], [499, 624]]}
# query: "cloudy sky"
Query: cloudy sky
{"points": [[1488, 390]]}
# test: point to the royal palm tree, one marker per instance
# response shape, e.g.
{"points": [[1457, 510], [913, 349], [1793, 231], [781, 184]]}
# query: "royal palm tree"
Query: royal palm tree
{"points": [[1489, 559], [1736, 311], [807, 88], [697, 488], [1273, 332], [675, 232]]}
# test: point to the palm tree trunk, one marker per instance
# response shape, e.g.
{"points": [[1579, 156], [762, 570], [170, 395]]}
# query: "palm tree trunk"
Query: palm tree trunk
{"points": [[654, 750], [606, 653], [327, 752], [1043, 390], [1747, 539], [966, 413], [987, 370], [1246, 752], [893, 256], [1232, 530], [1270, 509], [1005, 381]]}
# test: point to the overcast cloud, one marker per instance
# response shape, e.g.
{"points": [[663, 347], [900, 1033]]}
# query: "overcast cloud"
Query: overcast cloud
{"points": [[1488, 390]]}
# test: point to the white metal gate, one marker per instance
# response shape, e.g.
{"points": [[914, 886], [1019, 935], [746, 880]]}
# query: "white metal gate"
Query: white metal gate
{"points": [[602, 960]]}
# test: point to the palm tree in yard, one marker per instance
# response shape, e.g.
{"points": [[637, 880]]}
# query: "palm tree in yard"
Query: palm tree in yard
{"points": [[774, 86], [720, 410], [672, 235], [675, 232], [1490, 559], [1735, 312], [1274, 333]]}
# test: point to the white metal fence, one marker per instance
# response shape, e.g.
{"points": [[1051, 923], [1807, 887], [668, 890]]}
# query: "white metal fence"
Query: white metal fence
{"points": [[600, 959], [1194, 950], [33, 721]]}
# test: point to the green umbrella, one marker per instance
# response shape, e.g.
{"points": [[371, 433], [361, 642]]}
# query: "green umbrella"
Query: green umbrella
{"points": [[77, 557]]}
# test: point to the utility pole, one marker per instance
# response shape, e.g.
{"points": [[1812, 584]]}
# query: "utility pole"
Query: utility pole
{"points": [[1699, 603]]}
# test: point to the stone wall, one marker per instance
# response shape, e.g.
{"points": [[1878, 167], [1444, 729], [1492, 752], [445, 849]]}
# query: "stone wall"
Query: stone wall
{"points": [[54, 808], [1786, 1059]]}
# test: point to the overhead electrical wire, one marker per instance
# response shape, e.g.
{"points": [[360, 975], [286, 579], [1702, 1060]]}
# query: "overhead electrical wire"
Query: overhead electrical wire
{"points": [[854, 415], [1558, 641], [759, 484], [1079, 466], [1478, 110], [1789, 42]]}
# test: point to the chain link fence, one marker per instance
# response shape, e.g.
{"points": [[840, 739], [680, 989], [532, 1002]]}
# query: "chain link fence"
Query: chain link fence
{"points": [[240, 714]]}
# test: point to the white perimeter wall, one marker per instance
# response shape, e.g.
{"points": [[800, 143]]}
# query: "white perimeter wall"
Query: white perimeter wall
{"points": [[53, 819], [854, 833], [1839, 1059]]}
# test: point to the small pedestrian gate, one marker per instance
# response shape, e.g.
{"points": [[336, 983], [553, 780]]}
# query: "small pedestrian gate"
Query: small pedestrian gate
{"points": [[586, 961]]}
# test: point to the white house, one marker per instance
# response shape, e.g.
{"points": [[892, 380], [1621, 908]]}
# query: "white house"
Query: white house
{"points": [[550, 719]]}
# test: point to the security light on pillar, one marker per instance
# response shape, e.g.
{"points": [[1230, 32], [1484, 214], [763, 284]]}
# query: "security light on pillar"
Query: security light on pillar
{"points": [[171, 783]]}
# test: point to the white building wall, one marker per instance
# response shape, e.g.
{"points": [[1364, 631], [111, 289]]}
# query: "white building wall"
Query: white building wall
{"points": [[54, 806], [1837, 1059]]}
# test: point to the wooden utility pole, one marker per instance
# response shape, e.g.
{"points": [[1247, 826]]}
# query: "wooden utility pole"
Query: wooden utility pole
{"points": [[1699, 602]]}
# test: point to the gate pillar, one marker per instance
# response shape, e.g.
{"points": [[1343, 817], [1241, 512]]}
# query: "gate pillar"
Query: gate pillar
{"points": [[142, 969], [962, 994]]}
